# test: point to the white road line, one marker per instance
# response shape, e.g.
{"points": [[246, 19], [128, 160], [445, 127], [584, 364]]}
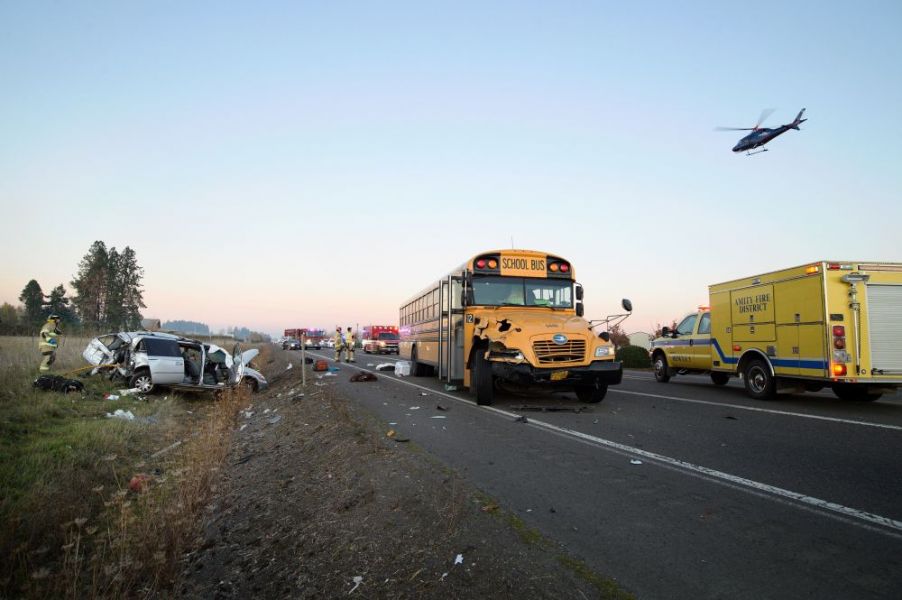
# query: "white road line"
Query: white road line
{"points": [[849, 515], [762, 410]]}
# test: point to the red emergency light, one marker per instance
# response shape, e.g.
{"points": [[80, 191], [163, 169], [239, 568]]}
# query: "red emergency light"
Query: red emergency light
{"points": [[839, 369]]}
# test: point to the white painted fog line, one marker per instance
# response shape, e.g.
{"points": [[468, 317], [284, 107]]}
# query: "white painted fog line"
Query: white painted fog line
{"points": [[850, 515], [762, 410]]}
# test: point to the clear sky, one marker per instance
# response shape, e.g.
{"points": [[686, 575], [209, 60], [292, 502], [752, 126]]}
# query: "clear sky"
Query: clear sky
{"points": [[314, 163]]}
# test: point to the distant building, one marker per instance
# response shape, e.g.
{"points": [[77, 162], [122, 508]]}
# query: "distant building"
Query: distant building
{"points": [[641, 339]]}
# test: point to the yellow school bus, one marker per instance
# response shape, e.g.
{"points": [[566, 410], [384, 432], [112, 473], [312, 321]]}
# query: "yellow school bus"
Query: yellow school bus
{"points": [[508, 315]]}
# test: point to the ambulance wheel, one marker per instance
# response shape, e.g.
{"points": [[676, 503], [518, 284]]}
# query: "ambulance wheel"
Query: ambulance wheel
{"points": [[592, 393], [720, 378], [759, 382], [855, 392], [416, 368], [481, 379], [661, 373], [142, 381]]}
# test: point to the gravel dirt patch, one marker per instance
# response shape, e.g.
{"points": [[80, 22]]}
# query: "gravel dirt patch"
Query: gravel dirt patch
{"points": [[316, 501]]}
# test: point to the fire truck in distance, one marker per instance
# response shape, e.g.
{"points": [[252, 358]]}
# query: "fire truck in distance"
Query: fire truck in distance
{"points": [[380, 339], [313, 338]]}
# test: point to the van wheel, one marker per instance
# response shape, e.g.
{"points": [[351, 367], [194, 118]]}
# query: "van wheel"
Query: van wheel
{"points": [[855, 392], [720, 378], [481, 379], [142, 381], [759, 383], [592, 393], [660, 365], [416, 368]]}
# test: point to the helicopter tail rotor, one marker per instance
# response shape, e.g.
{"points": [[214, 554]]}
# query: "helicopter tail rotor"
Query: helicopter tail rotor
{"points": [[798, 120]]}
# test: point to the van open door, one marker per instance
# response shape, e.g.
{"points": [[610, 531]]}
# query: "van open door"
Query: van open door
{"points": [[237, 371]]}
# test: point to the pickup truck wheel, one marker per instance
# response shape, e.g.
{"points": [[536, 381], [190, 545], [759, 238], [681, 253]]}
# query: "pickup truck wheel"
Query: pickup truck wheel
{"points": [[416, 368], [759, 383], [142, 381], [481, 379], [720, 378], [855, 392], [660, 365], [592, 393]]}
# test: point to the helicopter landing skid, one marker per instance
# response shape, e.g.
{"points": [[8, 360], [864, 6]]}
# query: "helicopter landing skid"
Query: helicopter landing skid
{"points": [[756, 152]]}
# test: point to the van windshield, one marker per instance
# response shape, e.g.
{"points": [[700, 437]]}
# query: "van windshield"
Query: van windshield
{"points": [[522, 291]]}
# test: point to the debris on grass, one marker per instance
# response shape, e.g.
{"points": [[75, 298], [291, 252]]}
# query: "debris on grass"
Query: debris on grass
{"points": [[459, 559], [121, 414], [139, 483]]}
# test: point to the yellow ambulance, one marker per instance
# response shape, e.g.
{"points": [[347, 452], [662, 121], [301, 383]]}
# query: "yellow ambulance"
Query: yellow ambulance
{"points": [[828, 323]]}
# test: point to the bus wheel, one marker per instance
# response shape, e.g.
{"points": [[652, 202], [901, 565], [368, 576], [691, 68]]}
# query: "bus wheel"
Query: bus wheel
{"points": [[720, 378], [592, 393], [661, 374], [759, 383], [482, 379], [416, 368], [855, 392]]}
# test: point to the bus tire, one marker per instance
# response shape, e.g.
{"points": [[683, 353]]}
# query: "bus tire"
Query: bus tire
{"points": [[593, 392], [760, 384], [855, 392], [720, 378], [416, 368], [482, 379], [662, 374]]}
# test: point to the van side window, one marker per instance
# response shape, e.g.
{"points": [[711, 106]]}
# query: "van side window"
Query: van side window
{"points": [[161, 347], [704, 326], [687, 325]]}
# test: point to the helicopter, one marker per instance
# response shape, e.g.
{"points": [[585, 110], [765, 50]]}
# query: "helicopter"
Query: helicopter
{"points": [[760, 136]]}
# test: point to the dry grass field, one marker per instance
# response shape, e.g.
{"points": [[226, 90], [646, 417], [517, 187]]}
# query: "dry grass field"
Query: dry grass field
{"points": [[71, 525]]}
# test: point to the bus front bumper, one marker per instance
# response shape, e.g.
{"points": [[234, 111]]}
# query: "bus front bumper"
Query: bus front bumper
{"points": [[610, 372]]}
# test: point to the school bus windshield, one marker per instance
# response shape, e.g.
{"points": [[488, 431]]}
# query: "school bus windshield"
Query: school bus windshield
{"points": [[522, 291]]}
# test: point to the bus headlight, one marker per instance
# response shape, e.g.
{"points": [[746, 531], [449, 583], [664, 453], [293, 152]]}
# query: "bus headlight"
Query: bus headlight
{"points": [[603, 351]]}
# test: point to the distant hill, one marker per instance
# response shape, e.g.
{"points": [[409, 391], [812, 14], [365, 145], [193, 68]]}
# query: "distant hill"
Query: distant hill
{"points": [[192, 327]]}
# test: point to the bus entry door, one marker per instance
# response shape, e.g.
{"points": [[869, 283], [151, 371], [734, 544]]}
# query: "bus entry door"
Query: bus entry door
{"points": [[451, 330]]}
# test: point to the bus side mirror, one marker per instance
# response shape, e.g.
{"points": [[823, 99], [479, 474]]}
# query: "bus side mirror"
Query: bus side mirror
{"points": [[579, 309], [579, 292], [605, 336], [627, 305]]}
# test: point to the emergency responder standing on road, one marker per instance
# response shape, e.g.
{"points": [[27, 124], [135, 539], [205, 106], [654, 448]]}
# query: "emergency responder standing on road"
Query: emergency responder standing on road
{"points": [[339, 343], [350, 341], [49, 341]]}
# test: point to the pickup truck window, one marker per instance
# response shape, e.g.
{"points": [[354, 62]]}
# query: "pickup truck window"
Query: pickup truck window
{"points": [[704, 326], [687, 325]]}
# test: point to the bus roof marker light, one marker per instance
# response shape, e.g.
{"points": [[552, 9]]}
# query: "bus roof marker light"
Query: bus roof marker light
{"points": [[493, 264], [480, 264], [553, 267], [812, 270], [565, 267]]}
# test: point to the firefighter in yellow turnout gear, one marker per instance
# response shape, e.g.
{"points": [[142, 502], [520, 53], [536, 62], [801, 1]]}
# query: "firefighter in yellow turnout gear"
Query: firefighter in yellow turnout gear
{"points": [[339, 343], [49, 341], [350, 342]]}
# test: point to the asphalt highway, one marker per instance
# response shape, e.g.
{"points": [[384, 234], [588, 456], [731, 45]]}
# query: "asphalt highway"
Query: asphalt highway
{"points": [[678, 490]]}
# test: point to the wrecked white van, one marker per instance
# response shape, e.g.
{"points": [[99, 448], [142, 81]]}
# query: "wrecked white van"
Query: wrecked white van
{"points": [[150, 359]]}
